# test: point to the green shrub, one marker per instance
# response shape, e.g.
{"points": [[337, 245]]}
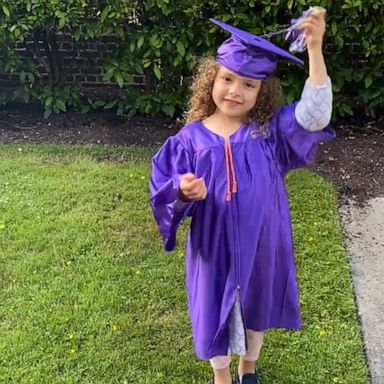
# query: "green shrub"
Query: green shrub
{"points": [[161, 39]]}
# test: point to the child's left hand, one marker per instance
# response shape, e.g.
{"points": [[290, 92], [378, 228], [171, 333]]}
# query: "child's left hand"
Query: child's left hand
{"points": [[314, 26]]}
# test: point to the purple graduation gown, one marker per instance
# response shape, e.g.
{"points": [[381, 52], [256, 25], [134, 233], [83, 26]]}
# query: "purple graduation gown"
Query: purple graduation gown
{"points": [[241, 243]]}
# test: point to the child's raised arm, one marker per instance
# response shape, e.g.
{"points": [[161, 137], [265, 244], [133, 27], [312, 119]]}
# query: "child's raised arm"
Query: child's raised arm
{"points": [[314, 27], [314, 109]]}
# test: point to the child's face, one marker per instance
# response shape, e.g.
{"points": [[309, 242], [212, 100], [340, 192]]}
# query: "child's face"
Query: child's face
{"points": [[234, 95]]}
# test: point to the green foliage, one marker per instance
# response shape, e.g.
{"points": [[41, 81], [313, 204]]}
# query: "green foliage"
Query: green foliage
{"points": [[43, 20], [59, 100], [135, 102], [4, 98], [161, 39]]}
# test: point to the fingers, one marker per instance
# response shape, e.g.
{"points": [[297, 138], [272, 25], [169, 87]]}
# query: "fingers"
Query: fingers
{"points": [[188, 177], [193, 188], [320, 17], [196, 194], [318, 11], [200, 195], [312, 23], [191, 185], [196, 187], [316, 17], [314, 29]]}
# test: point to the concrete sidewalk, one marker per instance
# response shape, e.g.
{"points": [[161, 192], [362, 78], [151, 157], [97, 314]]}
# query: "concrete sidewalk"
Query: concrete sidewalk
{"points": [[364, 237]]}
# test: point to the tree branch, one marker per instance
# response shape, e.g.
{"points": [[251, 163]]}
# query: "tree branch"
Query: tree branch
{"points": [[36, 49]]}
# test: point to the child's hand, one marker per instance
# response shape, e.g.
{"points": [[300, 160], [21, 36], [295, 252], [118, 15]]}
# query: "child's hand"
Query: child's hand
{"points": [[192, 188], [314, 26]]}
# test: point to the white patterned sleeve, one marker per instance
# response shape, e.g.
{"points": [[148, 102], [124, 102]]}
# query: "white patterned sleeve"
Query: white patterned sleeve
{"points": [[314, 110]]}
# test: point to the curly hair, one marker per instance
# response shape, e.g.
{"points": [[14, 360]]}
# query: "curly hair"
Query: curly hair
{"points": [[201, 104]]}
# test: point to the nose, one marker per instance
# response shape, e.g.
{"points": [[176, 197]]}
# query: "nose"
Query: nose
{"points": [[234, 88]]}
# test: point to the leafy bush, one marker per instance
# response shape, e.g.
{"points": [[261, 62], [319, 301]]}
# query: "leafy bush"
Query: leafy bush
{"points": [[161, 39]]}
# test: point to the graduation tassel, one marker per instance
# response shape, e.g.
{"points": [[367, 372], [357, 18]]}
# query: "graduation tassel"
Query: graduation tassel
{"points": [[294, 34]]}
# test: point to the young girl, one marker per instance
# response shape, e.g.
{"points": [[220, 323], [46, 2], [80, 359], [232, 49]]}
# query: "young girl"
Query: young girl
{"points": [[226, 169]]}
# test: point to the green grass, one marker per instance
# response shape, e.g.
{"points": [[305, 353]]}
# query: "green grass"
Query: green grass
{"points": [[87, 295]]}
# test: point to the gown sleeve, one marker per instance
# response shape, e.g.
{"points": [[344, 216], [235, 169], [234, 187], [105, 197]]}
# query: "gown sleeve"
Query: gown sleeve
{"points": [[294, 146], [172, 161]]}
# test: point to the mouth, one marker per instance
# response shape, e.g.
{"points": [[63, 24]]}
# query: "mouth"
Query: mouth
{"points": [[232, 102]]}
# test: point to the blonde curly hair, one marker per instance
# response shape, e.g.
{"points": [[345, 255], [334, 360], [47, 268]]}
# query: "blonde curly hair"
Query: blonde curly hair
{"points": [[201, 104]]}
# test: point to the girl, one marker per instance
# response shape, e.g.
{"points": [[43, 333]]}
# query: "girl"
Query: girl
{"points": [[226, 169]]}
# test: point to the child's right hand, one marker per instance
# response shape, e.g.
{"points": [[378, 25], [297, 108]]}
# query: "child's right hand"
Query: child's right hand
{"points": [[314, 26], [192, 188]]}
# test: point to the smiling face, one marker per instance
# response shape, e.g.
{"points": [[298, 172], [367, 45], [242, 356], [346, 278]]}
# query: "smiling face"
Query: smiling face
{"points": [[234, 95]]}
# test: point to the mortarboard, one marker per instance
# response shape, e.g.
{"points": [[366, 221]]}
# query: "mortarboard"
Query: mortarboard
{"points": [[249, 55]]}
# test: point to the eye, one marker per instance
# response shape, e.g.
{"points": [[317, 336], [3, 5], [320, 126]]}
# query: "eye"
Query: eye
{"points": [[250, 85]]}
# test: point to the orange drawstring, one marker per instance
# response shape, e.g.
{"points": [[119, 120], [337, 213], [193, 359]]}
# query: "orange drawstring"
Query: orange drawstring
{"points": [[234, 181], [228, 196], [230, 167]]}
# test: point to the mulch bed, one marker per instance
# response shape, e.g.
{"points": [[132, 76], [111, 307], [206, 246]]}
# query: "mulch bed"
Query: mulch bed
{"points": [[354, 161]]}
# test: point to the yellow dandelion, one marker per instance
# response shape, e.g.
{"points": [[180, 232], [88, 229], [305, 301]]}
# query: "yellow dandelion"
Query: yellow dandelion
{"points": [[72, 351], [138, 272], [310, 239], [131, 175], [142, 177], [322, 333], [335, 380], [114, 327], [71, 337], [2, 226]]}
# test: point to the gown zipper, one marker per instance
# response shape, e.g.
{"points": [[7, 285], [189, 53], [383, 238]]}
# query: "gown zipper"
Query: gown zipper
{"points": [[230, 162]]}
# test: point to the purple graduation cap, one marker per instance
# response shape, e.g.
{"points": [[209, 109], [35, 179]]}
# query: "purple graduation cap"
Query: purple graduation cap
{"points": [[249, 55]]}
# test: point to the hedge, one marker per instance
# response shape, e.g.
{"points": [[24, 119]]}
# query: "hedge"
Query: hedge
{"points": [[163, 38]]}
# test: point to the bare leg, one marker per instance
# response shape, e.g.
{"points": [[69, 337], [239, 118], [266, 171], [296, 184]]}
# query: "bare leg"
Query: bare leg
{"points": [[220, 365], [246, 367], [222, 376], [247, 363]]}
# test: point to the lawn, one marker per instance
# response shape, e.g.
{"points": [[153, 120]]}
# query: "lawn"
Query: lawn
{"points": [[89, 296]]}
